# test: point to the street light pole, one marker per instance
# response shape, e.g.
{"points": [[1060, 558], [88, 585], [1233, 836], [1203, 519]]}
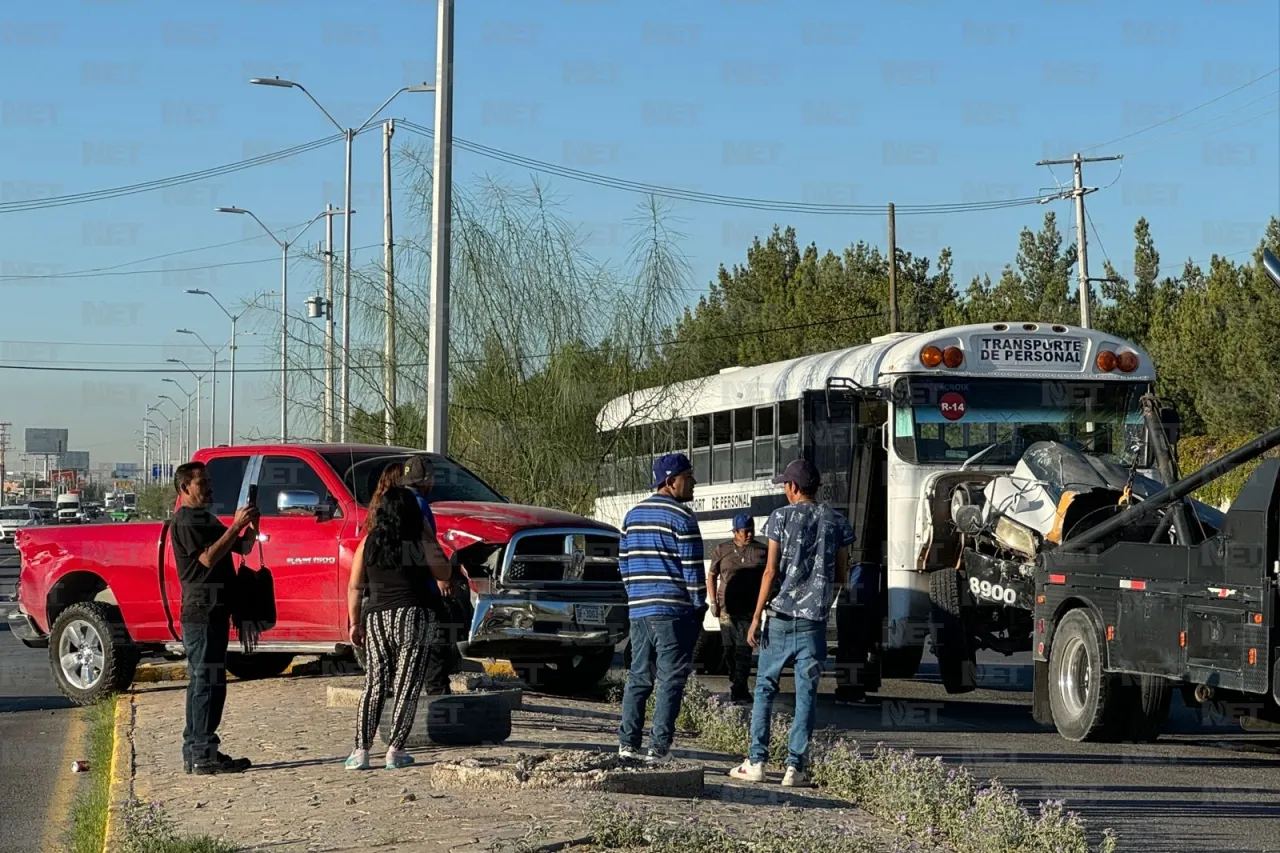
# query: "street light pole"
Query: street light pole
{"points": [[349, 134], [437, 427], [284, 308], [231, 406]]}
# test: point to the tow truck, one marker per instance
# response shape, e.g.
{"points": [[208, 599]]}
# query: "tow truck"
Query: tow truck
{"points": [[1156, 597]]}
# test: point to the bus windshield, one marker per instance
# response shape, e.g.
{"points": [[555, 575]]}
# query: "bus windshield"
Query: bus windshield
{"points": [[946, 422]]}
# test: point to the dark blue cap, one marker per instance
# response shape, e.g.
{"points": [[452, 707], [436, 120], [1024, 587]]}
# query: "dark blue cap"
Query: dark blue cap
{"points": [[669, 465], [803, 473], [742, 521]]}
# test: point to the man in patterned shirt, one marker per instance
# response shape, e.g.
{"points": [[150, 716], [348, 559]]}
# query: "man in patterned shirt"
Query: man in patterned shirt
{"points": [[808, 563]]}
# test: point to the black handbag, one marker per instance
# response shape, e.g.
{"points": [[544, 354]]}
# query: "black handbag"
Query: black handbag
{"points": [[255, 608]]}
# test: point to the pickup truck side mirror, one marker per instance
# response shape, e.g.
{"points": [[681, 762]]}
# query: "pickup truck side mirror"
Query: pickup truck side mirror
{"points": [[298, 503]]}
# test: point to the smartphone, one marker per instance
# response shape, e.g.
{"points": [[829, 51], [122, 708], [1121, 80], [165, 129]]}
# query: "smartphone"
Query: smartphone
{"points": [[253, 494]]}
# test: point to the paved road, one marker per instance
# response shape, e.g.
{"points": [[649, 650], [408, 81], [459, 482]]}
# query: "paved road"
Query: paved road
{"points": [[36, 785], [1205, 786]]}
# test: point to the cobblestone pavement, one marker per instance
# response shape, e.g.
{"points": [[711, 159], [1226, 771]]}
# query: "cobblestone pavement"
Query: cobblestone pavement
{"points": [[298, 797]]}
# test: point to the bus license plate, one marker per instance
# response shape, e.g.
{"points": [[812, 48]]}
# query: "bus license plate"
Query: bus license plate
{"points": [[589, 614]]}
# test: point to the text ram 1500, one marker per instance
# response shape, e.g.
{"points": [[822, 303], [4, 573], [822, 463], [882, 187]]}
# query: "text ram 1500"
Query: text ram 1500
{"points": [[545, 588]]}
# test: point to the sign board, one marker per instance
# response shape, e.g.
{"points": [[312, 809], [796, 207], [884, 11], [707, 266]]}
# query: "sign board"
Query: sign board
{"points": [[158, 474], [123, 485], [1031, 350], [952, 406], [41, 442], [76, 460], [126, 469]]}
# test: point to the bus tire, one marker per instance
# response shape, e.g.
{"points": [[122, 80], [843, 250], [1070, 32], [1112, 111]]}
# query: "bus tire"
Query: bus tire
{"points": [[1149, 708], [902, 662], [1088, 704], [949, 632]]}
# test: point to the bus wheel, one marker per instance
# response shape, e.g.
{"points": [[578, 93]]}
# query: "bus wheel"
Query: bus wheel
{"points": [[902, 662], [1087, 703], [952, 644]]}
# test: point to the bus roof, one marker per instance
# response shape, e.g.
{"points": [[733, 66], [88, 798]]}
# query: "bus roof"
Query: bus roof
{"points": [[1009, 350]]}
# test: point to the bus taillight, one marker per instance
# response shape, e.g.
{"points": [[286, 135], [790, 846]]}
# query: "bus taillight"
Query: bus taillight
{"points": [[1106, 361], [931, 356], [953, 357], [1127, 362]]}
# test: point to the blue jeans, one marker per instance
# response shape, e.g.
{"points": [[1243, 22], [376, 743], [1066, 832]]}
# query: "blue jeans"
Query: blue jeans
{"points": [[801, 644], [206, 647], [670, 640]]}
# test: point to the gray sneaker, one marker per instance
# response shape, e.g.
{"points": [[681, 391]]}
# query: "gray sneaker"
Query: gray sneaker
{"points": [[657, 759], [628, 753]]}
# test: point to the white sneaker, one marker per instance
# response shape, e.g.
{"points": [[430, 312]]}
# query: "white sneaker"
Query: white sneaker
{"points": [[359, 760], [748, 771], [657, 759], [628, 753], [795, 778]]}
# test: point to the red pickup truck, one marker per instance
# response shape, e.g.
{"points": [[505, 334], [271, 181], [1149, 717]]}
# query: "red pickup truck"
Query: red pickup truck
{"points": [[545, 588]]}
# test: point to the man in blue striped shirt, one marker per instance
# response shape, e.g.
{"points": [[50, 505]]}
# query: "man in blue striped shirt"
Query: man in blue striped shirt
{"points": [[661, 562]]}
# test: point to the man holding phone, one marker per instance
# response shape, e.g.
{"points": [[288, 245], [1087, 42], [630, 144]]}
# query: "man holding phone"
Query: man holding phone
{"points": [[202, 548]]}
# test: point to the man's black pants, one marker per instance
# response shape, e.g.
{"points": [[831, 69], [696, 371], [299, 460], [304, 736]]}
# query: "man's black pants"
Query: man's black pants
{"points": [[737, 655], [444, 660], [206, 647]]}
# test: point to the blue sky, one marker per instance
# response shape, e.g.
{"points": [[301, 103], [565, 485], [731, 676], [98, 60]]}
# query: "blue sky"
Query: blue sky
{"points": [[908, 101]]}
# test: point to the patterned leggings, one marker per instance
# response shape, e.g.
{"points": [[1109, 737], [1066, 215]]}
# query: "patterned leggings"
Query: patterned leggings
{"points": [[396, 643]]}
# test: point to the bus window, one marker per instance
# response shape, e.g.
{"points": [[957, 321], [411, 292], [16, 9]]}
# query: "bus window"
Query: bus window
{"points": [[764, 442], [743, 466], [680, 436], [700, 436], [788, 433], [721, 447]]}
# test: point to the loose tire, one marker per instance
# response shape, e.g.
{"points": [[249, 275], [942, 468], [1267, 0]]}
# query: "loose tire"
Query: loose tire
{"points": [[460, 719], [1087, 703], [952, 644], [91, 653], [258, 665]]}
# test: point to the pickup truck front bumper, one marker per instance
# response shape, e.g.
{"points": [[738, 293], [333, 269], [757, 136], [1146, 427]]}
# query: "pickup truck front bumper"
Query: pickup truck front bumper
{"points": [[536, 629], [25, 629]]}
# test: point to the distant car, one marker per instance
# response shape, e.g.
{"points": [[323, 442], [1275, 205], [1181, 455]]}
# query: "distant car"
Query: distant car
{"points": [[14, 517]]}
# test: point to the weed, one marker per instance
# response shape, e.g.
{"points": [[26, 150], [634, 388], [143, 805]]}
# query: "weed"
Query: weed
{"points": [[89, 817], [147, 829]]}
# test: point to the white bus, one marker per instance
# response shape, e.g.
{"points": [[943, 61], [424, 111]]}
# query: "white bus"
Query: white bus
{"points": [[889, 425]]}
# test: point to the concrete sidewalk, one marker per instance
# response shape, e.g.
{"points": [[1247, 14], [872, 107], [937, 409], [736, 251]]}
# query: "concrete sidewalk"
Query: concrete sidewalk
{"points": [[298, 796]]}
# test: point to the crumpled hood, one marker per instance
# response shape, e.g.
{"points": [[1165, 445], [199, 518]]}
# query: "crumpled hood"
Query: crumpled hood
{"points": [[476, 521]]}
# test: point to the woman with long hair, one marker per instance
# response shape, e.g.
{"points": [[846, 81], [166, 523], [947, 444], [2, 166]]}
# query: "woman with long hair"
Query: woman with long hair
{"points": [[389, 479], [396, 623]]}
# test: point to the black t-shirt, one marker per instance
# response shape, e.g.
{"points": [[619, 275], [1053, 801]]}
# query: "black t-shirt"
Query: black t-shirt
{"points": [[398, 577], [206, 590]]}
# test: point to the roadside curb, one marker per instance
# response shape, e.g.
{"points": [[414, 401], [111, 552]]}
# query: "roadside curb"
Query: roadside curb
{"points": [[154, 673], [120, 789]]}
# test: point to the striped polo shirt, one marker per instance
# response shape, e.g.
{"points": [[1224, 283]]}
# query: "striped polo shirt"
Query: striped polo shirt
{"points": [[661, 559]]}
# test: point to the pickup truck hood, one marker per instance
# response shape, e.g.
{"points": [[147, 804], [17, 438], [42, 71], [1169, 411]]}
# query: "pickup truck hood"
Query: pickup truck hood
{"points": [[461, 523]]}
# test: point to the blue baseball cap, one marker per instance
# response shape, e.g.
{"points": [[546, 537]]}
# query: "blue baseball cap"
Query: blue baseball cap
{"points": [[669, 465], [742, 521]]}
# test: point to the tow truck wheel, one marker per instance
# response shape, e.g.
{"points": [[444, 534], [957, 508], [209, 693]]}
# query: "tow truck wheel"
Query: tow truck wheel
{"points": [[1151, 699], [952, 644], [1087, 703], [91, 652]]}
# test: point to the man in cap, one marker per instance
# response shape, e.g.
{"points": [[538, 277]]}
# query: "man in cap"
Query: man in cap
{"points": [[733, 586], [808, 563], [444, 660], [660, 557]]}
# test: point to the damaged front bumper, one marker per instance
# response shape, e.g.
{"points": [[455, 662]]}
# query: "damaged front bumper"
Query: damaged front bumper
{"points": [[999, 582], [532, 629]]}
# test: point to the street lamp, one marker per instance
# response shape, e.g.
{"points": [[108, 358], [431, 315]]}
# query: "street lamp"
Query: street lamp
{"points": [[350, 135], [163, 438], [183, 449], [284, 309], [175, 383], [231, 407]]}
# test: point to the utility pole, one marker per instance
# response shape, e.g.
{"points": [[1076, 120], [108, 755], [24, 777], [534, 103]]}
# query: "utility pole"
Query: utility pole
{"points": [[389, 356], [437, 426], [327, 421], [4, 448], [893, 271], [1078, 192]]}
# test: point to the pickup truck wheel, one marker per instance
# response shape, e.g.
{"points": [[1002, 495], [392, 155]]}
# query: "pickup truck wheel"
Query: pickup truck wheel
{"points": [[1087, 703], [578, 673], [949, 632], [258, 665], [91, 653]]}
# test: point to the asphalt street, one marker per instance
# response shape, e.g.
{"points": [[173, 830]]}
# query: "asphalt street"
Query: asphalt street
{"points": [[36, 784], [1206, 785]]}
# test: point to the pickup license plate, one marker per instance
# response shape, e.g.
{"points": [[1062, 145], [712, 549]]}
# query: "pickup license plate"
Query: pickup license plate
{"points": [[589, 614]]}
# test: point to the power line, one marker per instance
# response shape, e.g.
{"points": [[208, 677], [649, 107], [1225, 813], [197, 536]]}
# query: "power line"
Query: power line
{"points": [[1249, 120], [172, 181], [1177, 116], [722, 200]]}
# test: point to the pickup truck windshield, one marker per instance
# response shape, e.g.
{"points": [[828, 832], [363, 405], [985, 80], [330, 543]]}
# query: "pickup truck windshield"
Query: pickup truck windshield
{"points": [[21, 514], [360, 473], [947, 422]]}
